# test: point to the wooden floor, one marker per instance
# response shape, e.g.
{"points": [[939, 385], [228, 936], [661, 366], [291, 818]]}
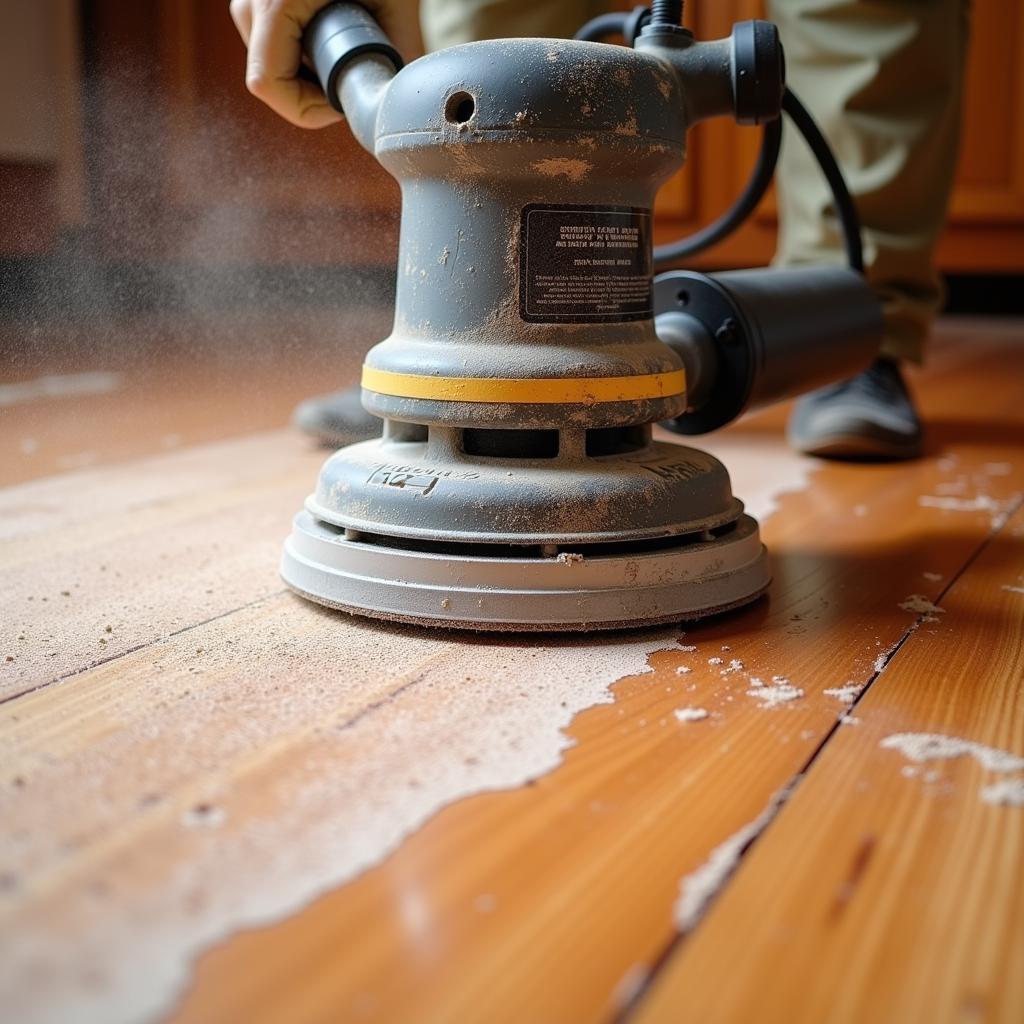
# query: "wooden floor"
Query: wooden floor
{"points": [[223, 804]]}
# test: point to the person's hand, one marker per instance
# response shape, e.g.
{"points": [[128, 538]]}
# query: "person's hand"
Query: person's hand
{"points": [[272, 30]]}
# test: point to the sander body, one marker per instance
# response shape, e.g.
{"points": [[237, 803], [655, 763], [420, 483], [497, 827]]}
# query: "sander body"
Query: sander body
{"points": [[516, 485]]}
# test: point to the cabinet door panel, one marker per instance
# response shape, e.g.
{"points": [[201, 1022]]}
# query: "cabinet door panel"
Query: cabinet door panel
{"points": [[986, 223], [990, 175]]}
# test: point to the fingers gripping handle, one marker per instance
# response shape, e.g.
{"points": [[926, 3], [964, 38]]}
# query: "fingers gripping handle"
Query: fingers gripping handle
{"points": [[337, 34]]}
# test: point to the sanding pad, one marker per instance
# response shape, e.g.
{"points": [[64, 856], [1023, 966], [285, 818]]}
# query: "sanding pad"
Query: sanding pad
{"points": [[570, 591], [421, 531]]}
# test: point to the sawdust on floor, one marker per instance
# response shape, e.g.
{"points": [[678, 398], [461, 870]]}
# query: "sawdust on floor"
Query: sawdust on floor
{"points": [[691, 714], [697, 889], [922, 747], [331, 710], [270, 762]]}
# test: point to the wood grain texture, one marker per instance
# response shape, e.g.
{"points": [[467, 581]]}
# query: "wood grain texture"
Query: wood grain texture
{"points": [[179, 795], [888, 890]]}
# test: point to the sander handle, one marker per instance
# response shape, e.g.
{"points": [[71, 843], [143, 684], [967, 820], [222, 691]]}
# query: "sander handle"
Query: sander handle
{"points": [[749, 338], [338, 34]]}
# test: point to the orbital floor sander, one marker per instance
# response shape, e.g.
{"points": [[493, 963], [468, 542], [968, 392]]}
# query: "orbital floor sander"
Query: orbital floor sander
{"points": [[516, 485]]}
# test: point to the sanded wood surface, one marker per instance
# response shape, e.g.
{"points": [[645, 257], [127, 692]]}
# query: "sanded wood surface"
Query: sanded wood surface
{"points": [[352, 821]]}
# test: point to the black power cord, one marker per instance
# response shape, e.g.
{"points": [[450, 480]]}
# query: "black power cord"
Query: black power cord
{"points": [[753, 192], [598, 29], [846, 209]]}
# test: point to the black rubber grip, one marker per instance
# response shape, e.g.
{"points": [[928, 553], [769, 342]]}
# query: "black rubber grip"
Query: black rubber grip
{"points": [[758, 72], [337, 34]]}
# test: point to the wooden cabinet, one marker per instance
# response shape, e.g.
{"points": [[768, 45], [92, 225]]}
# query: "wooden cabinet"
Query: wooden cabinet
{"points": [[183, 164], [986, 224]]}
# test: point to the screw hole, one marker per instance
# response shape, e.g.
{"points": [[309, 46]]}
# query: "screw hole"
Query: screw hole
{"points": [[683, 297], [459, 108]]}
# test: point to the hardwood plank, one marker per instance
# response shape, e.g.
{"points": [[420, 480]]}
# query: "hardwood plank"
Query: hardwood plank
{"points": [[302, 734], [889, 889], [146, 549]]}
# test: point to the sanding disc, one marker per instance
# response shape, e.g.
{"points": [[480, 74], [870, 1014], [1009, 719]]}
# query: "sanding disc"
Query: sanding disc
{"points": [[569, 591]]}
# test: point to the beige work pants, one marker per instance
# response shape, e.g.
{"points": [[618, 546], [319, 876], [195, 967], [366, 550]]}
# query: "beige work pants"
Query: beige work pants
{"points": [[883, 80]]}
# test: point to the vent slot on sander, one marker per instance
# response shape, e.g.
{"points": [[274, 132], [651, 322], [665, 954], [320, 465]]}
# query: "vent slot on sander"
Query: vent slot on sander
{"points": [[538, 551]]}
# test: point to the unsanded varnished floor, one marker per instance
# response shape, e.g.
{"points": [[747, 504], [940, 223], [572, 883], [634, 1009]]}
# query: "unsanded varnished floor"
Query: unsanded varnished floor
{"points": [[222, 804]]}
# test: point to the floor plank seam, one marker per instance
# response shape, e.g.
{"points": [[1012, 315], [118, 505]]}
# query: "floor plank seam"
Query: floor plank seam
{"points": [[388, 698], [764, 821], [57, 680]]}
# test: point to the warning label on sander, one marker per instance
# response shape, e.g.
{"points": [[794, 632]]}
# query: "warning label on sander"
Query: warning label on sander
{"points": [[585, 264]]}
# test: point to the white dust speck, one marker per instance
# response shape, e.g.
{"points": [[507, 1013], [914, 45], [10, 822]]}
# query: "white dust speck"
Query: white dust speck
{"points": [[776, 694], [628, 987], [688, 648], [716, 661], [1010, 588], [933, 576], [756, 682], [697, 889], [920, 604], [847, 694], [485, 903], [683, 670], [691, 714], [1009, 792], [66, 385], [1000, 510], [79, 460], [726, 647], [880, 662], [849, 720], [920, 747], [979, 503]]}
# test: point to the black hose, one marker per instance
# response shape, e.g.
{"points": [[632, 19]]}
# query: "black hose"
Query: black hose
{"points": [[598, 29], [757, 184], [846, 210], [752, 194]]}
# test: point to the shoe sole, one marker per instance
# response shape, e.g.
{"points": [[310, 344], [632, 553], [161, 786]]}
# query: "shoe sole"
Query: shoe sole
{"points": [[858, 448]]}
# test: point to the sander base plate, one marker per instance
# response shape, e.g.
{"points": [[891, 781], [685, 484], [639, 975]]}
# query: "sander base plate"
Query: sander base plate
{"points": [[570, 592]]}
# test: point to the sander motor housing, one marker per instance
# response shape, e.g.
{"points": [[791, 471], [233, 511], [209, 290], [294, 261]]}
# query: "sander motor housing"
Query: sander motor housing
{"points": [[517, 485]]}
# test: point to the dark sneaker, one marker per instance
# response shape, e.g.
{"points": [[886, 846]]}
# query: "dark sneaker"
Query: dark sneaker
{"points": [[871, 416], [337, 419]]}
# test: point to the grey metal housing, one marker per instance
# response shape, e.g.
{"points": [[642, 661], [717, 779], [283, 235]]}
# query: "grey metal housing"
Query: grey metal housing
{"points": [[516, 485]]}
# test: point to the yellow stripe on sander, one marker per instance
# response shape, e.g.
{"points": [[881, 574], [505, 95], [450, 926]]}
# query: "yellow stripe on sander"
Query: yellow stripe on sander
{"points": [[529, 391]]}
